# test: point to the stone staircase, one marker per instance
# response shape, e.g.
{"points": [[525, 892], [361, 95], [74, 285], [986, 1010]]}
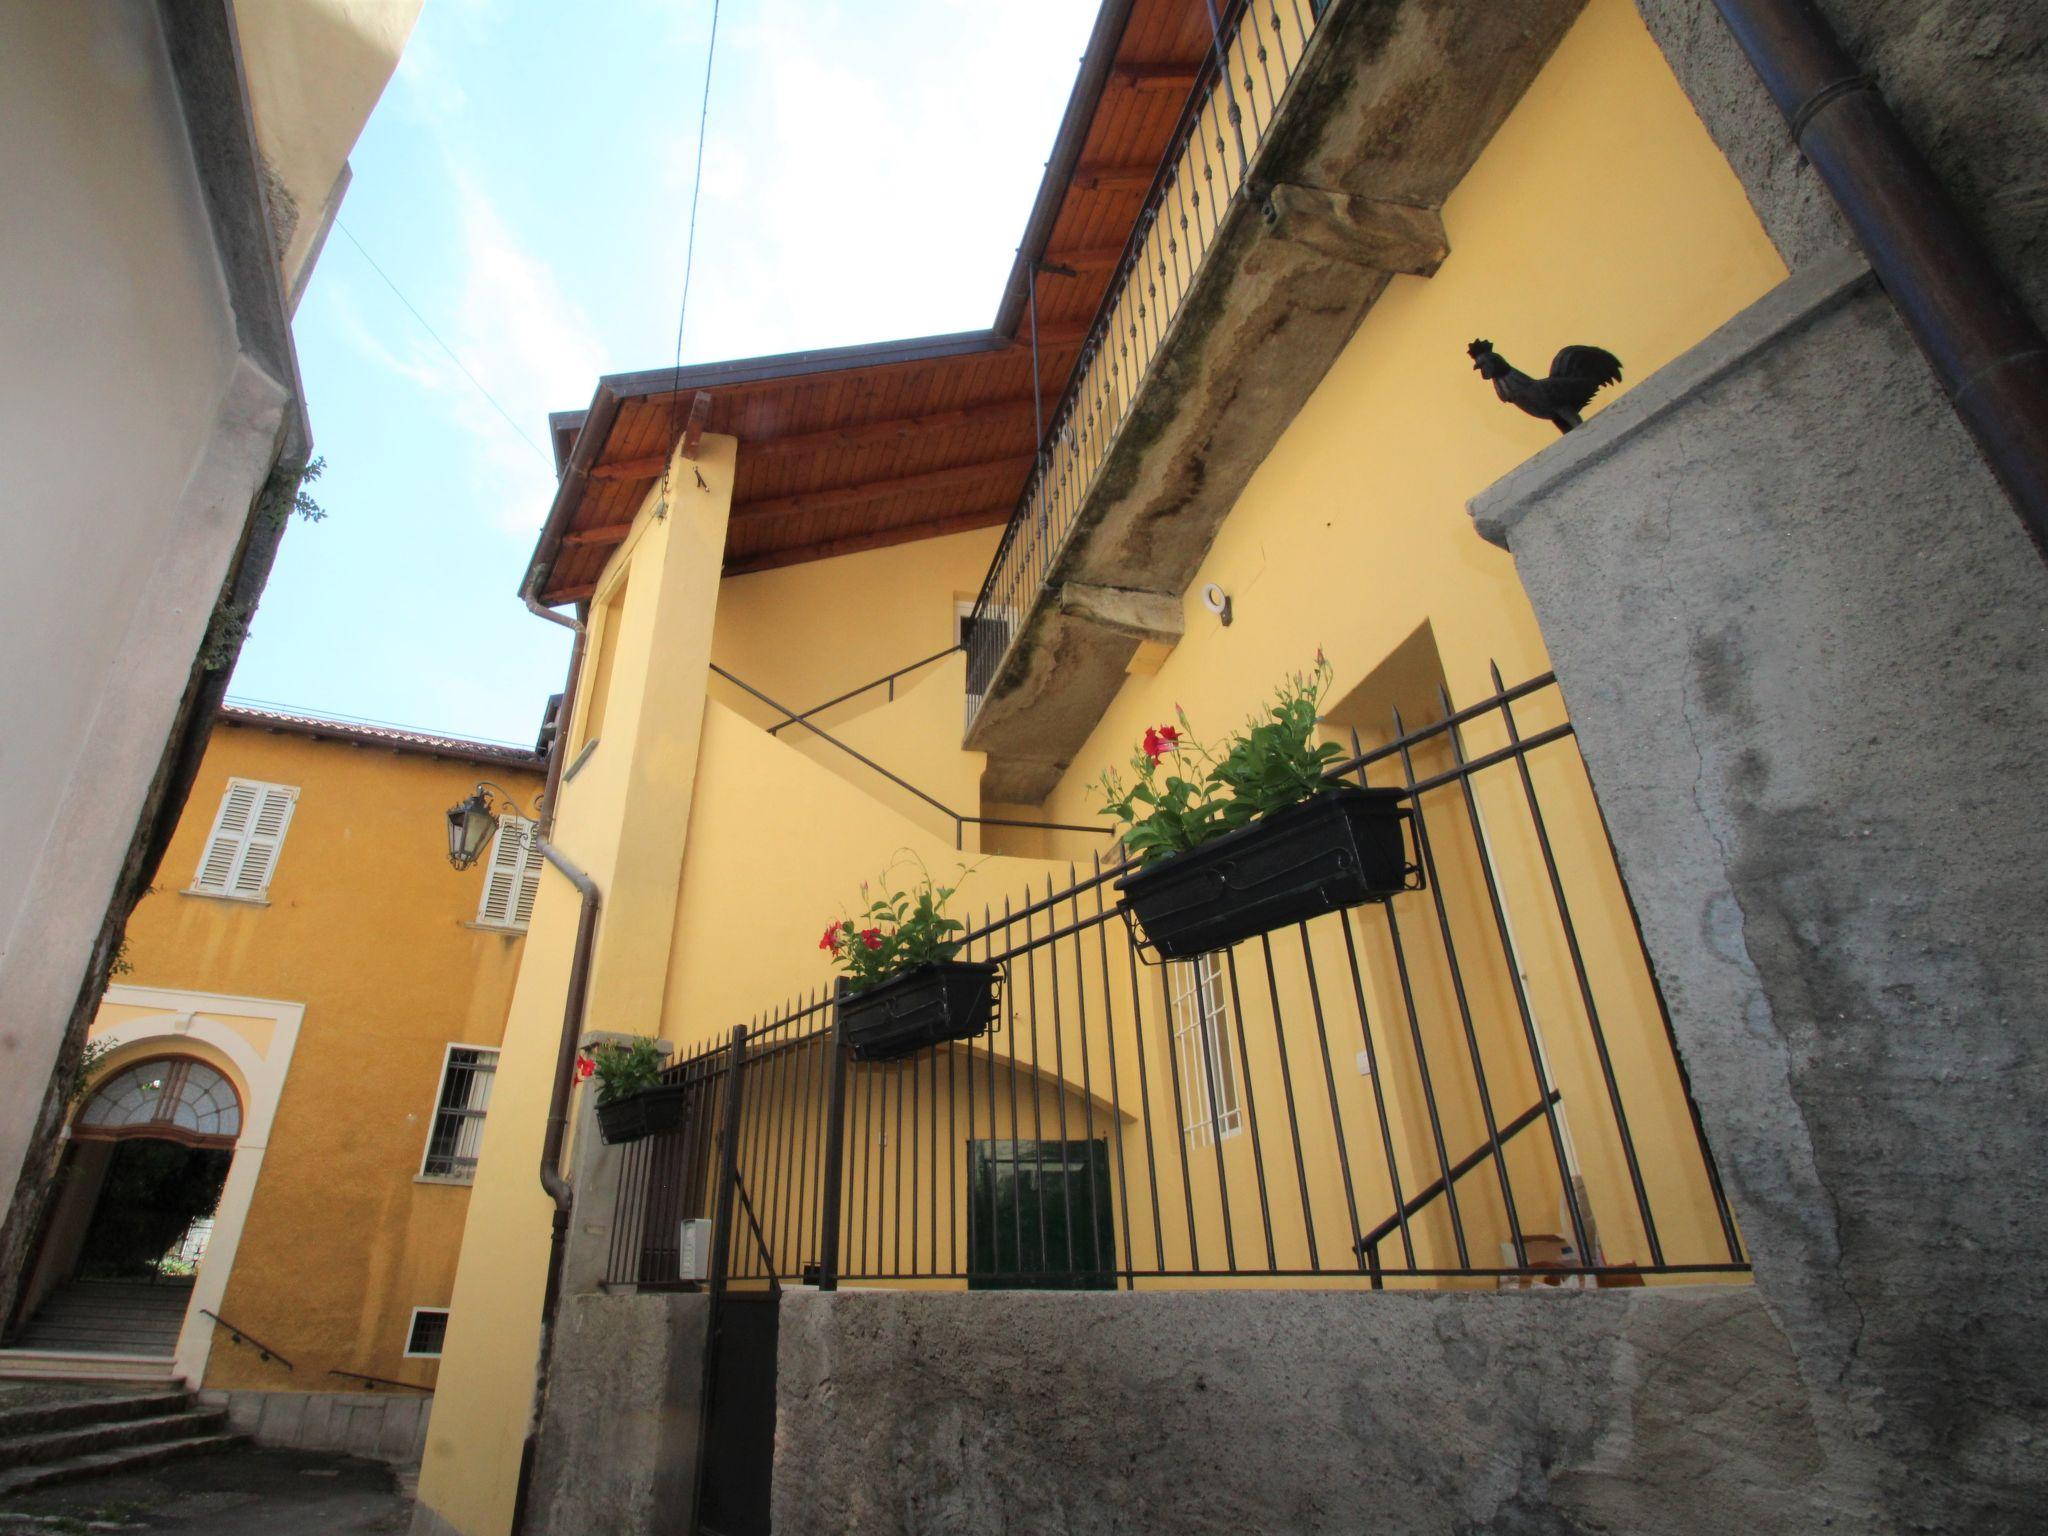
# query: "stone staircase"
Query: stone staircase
{"points": [[95, 1435], [109, 1317]]}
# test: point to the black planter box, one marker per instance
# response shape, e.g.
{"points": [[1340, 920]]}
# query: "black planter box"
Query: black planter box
{"points": [[650, 1112], [925, 1006], [1335, 850]]}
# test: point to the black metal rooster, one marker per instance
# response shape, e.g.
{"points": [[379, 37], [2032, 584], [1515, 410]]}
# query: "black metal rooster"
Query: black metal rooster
{"points": [[1576, 374]]}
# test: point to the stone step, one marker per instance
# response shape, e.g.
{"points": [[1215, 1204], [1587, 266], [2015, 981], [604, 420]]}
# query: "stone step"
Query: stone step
{"points": [[62, 1342], [91, 1410], [105, 1463], [75, 1365], [90, 1439], [99, 1324]]}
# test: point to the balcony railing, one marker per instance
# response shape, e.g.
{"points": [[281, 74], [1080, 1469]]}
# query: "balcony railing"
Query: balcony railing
{"points": [[1475, 1083], [1227, 118]]}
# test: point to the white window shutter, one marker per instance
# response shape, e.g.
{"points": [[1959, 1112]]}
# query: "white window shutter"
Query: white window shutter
{"points": [[513, 876], [241, 850], [529, 883], [265, 838], [224, 842]]}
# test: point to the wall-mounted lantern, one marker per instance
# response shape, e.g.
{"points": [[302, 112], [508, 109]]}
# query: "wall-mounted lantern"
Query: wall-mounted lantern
{"points": [[471, 824]]}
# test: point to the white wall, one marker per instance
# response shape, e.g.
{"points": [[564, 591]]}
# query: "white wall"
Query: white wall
{"points": [[133, 439]]}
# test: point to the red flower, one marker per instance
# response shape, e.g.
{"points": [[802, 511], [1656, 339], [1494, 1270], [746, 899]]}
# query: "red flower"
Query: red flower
{"points": [[1160, 740], [872, 937], [584, 1067], [831, 939]]}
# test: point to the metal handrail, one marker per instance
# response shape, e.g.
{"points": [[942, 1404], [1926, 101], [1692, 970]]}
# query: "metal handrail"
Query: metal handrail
{"points": [[888, 678], [960, 819], [383, 1381], [1369, 1245], [1168, 247], [243, 1336]]}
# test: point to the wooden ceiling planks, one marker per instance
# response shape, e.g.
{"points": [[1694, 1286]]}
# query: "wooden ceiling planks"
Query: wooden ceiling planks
{"points": [[865, 447]]}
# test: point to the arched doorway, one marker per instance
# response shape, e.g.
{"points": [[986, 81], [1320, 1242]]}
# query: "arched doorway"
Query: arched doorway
{"points": [[141, 1182]]}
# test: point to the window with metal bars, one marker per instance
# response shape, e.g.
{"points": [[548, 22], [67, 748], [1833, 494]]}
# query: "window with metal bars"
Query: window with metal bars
{"points": [[513, 876], [429, 1330], [458, 1128], [1210, 1110], [243, 845]]}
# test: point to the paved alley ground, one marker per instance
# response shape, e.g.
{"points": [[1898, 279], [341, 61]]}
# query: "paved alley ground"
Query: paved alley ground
{"points": [[241, 1493]]}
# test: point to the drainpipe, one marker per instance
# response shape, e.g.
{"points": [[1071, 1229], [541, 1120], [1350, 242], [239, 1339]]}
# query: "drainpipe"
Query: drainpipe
{"points": [[540, 610], [546, 827], [1987, 351], [558, 1188]]}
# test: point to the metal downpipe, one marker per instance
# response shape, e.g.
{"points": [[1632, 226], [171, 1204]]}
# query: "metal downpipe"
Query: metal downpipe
{"points": [[1986, 349], [558, 1188]]}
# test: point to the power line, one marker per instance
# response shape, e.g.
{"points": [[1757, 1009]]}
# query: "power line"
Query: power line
{"points": [[458, 362], [690, 246]]}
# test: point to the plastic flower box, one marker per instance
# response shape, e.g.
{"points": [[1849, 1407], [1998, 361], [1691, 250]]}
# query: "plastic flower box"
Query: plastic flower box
{"points": [[1339, 848], [652, 1111], [926, 1005]]}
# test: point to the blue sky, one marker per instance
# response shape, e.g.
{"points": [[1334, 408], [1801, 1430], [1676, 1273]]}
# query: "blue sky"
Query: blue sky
{"points": [[525, 182]]}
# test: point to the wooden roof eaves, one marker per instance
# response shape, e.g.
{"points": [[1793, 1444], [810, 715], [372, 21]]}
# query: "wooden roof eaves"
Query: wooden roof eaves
{"points": [[613, 390], [1097, 64]]}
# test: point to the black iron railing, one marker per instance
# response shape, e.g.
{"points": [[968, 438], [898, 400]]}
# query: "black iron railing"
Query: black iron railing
{"points": [[1260, 45], [887, 681], [249, 1340], [960, 819], [1474, 1083]]}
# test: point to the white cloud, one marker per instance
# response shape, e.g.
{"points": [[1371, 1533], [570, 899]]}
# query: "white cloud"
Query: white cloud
{"points": [[526, 341]]}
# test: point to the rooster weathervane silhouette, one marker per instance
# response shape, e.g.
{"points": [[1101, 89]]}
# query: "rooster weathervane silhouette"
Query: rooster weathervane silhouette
{"points": [[1576, 374]]}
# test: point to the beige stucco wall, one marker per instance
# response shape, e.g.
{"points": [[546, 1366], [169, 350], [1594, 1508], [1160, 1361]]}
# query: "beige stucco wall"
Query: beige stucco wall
{"points": [[133, 442], [315, 71]]}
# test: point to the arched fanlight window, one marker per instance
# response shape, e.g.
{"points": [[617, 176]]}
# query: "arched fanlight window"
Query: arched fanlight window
{"points": [[173, 1097]]}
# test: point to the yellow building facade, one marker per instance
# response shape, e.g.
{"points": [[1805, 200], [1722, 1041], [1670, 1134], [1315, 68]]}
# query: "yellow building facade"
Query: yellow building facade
{"points": [[297, 1056], [724, 836]]}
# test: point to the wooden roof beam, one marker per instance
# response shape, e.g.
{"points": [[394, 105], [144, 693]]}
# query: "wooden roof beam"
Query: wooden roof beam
{"points": [[867, 433], [648, 468], [1097, 176], [1100, 258], [876, 490], [881, 538], [597, 538], [693, 429], [1155, 77], [1051, 333]]}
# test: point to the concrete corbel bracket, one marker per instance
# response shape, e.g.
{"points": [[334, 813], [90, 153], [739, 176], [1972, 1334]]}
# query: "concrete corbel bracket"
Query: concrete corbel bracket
{"points": [[1149, 616], [1381, 236]]}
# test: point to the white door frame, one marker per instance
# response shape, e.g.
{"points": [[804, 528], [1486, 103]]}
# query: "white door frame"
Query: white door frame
{"points": [[184, 1017]]}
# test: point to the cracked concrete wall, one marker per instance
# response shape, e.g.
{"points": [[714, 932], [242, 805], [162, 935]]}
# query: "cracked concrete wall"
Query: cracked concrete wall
{"points": [[1672, 1410], [1803, 638], [1966, 77]]}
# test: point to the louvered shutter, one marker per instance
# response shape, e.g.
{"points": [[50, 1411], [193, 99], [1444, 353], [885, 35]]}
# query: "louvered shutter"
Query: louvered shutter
{"points": [[241, 850], [514, 875]]}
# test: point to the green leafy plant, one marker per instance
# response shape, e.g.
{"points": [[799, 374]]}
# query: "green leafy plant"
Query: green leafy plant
{"points": [[896, 931], [287, 494], [89, 1060], [1184, 794], [621, 1070]]}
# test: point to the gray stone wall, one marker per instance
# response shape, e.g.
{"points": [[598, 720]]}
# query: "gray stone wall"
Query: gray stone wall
{"points": [[619, 1432], [1805, 642], [1670, 1410], [385, 1426], [1969, 78]]}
